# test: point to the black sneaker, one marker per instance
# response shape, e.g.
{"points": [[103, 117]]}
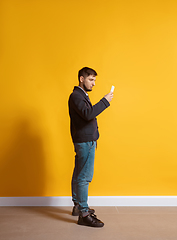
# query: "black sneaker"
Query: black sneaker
{"points": [[75, 211], [90, 220]]}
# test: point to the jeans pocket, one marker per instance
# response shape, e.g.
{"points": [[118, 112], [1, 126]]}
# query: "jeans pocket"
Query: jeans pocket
{"points": [[92, 144]]}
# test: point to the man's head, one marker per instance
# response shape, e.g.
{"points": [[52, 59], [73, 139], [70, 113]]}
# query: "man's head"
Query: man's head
{"points": [[87, 77]]}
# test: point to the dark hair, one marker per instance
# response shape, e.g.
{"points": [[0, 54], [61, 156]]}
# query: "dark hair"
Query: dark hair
{"points": [[85, 72]]}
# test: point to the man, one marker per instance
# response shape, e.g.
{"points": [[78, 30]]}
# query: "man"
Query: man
{"points": [[84, 132]]}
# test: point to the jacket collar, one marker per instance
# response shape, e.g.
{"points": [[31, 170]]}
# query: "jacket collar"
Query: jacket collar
{"points": [[81, 91], [77, 88]]}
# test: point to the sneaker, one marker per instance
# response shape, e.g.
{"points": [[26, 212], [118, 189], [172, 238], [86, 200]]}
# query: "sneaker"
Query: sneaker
{"points": [[75, 211], [90, 221]]}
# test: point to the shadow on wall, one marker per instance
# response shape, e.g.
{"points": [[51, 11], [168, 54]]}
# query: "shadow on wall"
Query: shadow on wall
{"points": [[22, 166]]}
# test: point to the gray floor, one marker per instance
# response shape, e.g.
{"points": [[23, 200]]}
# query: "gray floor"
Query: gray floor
{"points": [[121, 223]]}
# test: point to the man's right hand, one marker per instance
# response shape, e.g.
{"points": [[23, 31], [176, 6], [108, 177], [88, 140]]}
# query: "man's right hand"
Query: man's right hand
{"points": [[109, 96]]}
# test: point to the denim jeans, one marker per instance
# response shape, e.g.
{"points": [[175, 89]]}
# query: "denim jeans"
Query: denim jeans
{"points": [[83, 173]]}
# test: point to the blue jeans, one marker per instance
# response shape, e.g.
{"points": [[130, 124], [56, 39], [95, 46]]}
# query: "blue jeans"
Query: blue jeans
{"points": [[83, 173]]}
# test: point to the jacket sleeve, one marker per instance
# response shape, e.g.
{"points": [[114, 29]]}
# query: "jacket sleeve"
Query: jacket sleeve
{"points": [[85, 110]]}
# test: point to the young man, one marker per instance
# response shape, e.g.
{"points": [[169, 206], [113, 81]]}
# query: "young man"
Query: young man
{"points": [[84, 132]]}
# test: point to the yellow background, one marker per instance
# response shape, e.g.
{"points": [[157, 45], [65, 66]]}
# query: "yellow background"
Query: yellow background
{"points": [[133, 46]]}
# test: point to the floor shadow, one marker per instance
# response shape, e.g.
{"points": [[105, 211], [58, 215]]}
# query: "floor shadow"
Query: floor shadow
{"points": [[57, 213]]}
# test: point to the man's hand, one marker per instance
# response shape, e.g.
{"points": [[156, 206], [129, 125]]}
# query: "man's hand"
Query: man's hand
{"points": [[109, 96]]}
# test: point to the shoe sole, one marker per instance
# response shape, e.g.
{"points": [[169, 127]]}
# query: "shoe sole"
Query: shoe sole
{"points": [[88, 225]]}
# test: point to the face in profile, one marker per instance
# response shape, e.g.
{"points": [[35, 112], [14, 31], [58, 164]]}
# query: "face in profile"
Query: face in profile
{"points": [[88, 83]]}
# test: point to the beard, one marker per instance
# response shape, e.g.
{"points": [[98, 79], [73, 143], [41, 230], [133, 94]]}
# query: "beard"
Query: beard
{"points": [[86, 89]]}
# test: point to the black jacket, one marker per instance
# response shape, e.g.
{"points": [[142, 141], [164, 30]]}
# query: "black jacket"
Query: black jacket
{"points": [[84, 126]]}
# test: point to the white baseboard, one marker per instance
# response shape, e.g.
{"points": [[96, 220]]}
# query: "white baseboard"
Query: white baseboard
{"points": [[160, 201]]}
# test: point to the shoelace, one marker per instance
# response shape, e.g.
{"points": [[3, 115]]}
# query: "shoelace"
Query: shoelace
{"points": [[94, 217]]}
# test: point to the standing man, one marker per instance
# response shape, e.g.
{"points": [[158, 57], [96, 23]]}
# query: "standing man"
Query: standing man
{"points": [[84, 133]]}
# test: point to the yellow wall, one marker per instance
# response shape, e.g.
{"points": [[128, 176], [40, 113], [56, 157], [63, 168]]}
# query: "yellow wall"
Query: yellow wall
{"points": [[132, 45]]}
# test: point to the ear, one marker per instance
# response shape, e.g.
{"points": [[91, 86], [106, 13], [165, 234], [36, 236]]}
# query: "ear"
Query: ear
{"points": [[81, 78]]}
